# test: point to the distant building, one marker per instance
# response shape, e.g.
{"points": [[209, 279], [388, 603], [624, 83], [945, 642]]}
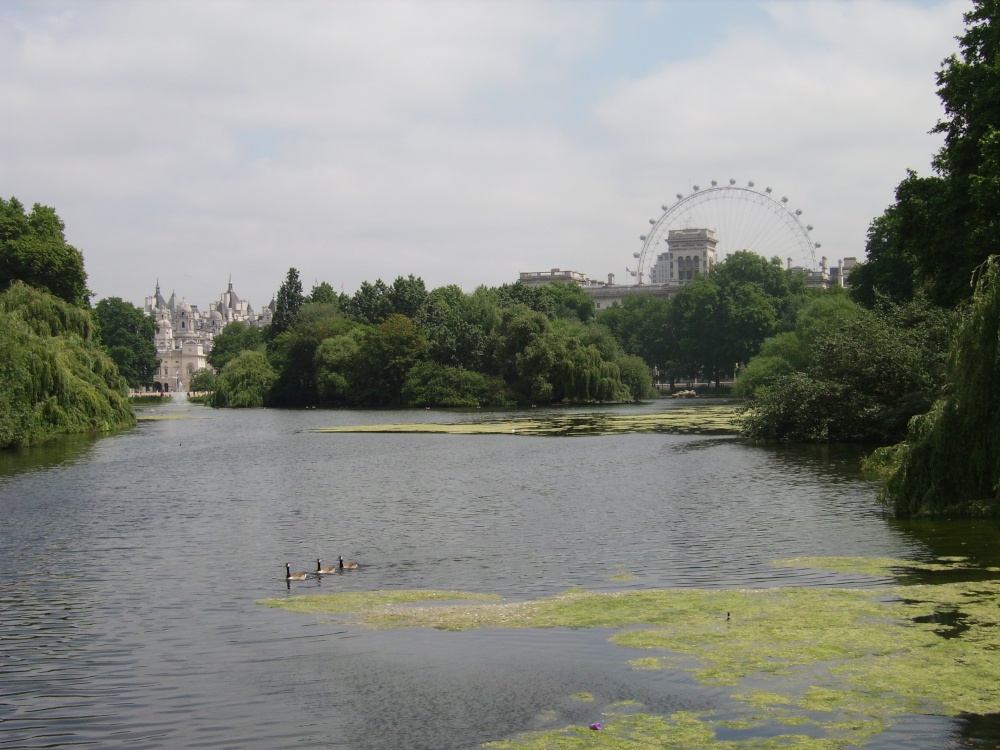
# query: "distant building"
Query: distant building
{"points": [[184, 336], [690, 252]]}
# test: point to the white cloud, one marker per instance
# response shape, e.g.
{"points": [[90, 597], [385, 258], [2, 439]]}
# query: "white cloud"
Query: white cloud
{"points": [[461, 142]]}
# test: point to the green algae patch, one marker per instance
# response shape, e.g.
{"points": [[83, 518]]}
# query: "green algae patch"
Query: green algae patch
{"points": [[700, 420], [809, 668], [368, 603], [876, 566]]}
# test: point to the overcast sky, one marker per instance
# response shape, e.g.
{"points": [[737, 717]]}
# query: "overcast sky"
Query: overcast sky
{"points": [[462, 142]]}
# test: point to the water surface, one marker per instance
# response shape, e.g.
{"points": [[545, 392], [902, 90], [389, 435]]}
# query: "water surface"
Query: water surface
{"points": [[130, 564]]}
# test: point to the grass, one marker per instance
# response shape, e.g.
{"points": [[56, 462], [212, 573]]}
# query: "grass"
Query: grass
{"points": [[809, 668]]}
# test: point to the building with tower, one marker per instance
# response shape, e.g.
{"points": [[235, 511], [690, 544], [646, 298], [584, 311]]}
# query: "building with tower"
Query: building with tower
{"points": [[184, 333]]}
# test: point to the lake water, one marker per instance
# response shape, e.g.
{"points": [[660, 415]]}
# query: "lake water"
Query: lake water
{"points": [[130, 564]]}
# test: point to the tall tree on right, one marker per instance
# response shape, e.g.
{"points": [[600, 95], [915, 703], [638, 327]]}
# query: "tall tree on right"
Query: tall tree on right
{"points": [[942, 228], [949, 464]]}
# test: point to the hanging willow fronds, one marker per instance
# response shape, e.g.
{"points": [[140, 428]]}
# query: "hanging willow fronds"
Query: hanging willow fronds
{"points": [[949, 463]]}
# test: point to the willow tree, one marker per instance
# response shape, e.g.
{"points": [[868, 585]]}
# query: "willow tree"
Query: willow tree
{"points": [[949, 463], [54, 379]]}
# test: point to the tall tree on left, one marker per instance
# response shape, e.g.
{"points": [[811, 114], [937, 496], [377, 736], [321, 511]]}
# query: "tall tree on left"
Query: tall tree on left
{"points": [[126, 334], [33, 249]]}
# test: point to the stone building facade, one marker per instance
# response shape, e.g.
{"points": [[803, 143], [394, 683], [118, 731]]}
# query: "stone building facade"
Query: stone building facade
{"points": [[184, 333]]}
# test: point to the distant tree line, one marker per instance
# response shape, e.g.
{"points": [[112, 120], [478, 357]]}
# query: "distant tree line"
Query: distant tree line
{"points": [[404, 345]]}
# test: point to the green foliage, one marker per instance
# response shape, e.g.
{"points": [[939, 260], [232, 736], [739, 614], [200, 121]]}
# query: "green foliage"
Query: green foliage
{"points": [[293, 356], [127, 336], [942, 228], [949, 463], [569, 301], [845, 373], [33, 250], [370, 304], [432, 384], [287, 304], [244, 382], [333, 364], [53, 378], [323, 293], [202, 381], [386, 353], [234, 338]]}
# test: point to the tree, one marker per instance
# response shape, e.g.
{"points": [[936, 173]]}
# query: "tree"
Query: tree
{"points": [[244, 382], [432, 384], [287, 304], [323, 293], [202, 380], [947, 225], [293, 356], [845, 374], [371, 303], [949, 463], [569, 301], [234, 338], [386, 353], [333, 364], [407, 296], [126, 335], [53, 378], [33, 250]]}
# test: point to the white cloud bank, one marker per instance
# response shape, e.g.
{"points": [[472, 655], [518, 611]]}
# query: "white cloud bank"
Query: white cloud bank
{"points": [[459, 141]]}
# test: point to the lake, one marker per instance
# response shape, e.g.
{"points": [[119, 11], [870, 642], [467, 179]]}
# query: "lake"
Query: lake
{"points": [[130, 566]]}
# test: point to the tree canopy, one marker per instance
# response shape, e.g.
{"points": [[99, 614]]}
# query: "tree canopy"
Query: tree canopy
{"points": [[53, 377], [33, 250], [126, 334], [942, 227], [949, 463]]}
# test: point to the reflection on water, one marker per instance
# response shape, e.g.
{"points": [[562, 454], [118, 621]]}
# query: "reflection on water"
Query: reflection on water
{"points": [[129, 568]]}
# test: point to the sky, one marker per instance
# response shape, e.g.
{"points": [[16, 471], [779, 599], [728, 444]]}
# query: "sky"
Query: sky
{"points": [[461, 141]]}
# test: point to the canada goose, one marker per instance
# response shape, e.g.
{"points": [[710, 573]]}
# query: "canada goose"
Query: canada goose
{"points": [[324, 569], [290, 576], [349, 565]]}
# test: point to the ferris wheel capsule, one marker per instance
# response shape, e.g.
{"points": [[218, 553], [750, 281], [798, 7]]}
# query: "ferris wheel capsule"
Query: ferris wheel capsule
{"points": [[652, 221], [635, 255], [680, 197], [750, 184], [732, 181], [696, 188], [714, 183], [642, 237], [798, 211]]}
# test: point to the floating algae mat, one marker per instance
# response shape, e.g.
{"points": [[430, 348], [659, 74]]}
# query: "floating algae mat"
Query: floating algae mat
{"points": [[700, 420], [808, 668]]}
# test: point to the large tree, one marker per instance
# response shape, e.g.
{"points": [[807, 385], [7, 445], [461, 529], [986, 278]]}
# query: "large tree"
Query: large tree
{"points": [[949, 463], [234, 338], [287, 304], [33, 249], [127, 336], [53, 378], [942, 227]]}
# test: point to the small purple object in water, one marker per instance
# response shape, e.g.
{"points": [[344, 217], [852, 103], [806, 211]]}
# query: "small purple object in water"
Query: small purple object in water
{"points": [[596, 726]]}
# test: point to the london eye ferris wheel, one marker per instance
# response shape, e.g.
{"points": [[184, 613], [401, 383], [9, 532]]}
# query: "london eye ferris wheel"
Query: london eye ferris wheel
{"points": [[742, 217]]}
